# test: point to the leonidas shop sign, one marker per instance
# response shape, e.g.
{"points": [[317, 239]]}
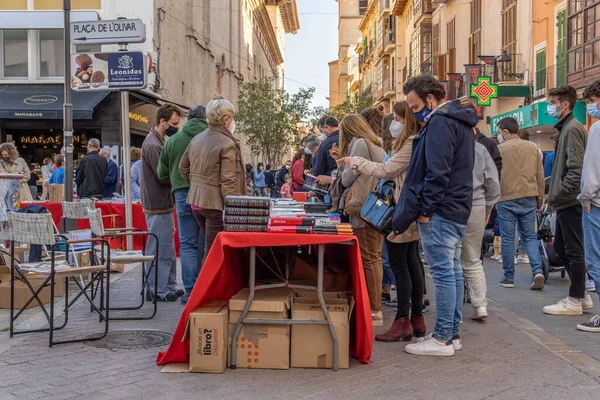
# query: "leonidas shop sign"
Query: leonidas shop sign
{"points": [[535, 115]]}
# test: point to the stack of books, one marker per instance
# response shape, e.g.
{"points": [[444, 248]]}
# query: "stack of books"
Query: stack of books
{"points": [[246, 214]]}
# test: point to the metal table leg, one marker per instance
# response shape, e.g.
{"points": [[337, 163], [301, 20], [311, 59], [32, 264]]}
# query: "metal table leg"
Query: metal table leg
{"points": [[321, 262], [240, 322]]}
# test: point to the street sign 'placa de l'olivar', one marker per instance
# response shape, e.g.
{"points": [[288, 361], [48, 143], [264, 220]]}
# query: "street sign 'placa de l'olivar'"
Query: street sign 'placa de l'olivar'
{"points": [[108, 71], [108, 32]]}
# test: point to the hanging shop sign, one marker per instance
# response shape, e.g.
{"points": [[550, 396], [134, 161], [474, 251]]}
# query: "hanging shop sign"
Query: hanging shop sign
{"points": [[109, 71], [484, 91], [108, 31]]}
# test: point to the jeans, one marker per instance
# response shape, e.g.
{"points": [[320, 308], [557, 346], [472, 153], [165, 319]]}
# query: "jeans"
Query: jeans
{"points": [[191, 239], [471, 257], [519, 213], [409, 278], [163, 226], [591, 236], [388, 274], [211, 223], [441, 240], [568, 243], [369, 242], [261, 191]]}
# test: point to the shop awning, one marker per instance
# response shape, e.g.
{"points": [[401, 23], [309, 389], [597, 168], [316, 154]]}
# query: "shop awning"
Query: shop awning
{"points": [[534, 115], [45, 102]]}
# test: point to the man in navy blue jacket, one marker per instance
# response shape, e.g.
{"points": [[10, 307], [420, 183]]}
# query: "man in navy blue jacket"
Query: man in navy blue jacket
{"points": [[323, 164], [112, 174], [438, 194]]}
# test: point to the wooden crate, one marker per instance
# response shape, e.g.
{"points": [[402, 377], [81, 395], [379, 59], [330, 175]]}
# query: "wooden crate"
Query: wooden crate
{"points": [[57, 193]]}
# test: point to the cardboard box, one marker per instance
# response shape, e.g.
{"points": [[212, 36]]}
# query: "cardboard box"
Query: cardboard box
{"points": [[312, 346], [261, 346], [207, 330], [23, 294], [57, 193], [335, 278]]}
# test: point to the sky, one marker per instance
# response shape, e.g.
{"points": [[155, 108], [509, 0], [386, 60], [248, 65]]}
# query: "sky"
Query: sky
{"points": [[311, 48]]}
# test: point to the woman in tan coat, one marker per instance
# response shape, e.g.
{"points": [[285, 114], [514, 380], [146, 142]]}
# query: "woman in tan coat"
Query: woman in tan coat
{"points": [[402, 249], [11, 163], [357, 139], [213, 166]]}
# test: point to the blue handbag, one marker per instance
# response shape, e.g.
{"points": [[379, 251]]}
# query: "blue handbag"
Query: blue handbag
{"points": [[378, 209]]}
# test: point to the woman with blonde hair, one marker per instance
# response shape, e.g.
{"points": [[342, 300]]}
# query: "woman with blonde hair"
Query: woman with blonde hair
{"points": [[11, 163], [213, 166], [403, 250], [358, 140]]}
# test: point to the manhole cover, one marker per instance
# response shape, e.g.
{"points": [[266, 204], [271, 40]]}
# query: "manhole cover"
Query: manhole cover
{"points": [[132, 340]]}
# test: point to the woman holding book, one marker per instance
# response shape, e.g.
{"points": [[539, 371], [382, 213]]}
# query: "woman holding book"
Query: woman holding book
{"points": [[213, 166], [358, 140], [403, 250]]}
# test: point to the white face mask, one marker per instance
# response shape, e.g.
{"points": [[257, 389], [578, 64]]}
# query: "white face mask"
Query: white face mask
{"points": [[396, 129], [322, 136], [232, 127], [500, 136]]}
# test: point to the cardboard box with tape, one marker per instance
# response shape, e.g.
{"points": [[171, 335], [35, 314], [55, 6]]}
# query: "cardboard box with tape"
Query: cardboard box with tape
{"points": [[207, 331], [22, 292], [312, 346], [261, 346]]}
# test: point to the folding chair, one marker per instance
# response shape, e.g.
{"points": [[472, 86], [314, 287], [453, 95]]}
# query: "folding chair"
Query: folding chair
{"points": [[128, 257], [38, 229]]}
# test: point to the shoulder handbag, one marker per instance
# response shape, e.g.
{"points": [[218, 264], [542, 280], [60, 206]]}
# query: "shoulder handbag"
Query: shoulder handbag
{"points": [[378, 209]]}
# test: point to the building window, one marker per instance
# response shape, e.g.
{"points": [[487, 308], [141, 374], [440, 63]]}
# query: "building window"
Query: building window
{"points": [[583, 40], [14, 54], [509, 33], [436, 48], [561, 47], [420, 50], [475, 37], [451, 42], [362, 6], [540, 69], [51, 53]]}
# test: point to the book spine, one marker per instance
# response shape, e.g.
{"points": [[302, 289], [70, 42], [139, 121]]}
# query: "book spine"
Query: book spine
{"points": [[244, 228], [255, 212], [289, 229], [245, 219], [292, 222], [250, 202]]}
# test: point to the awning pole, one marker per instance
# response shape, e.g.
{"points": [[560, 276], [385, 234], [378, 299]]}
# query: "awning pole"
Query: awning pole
{"points": [[126, 157], [67, 106]]}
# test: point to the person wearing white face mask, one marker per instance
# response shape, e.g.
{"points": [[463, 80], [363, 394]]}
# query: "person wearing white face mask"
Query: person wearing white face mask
{"points": [[402, 249], [590, 199], [565, 186], [213, 166]]}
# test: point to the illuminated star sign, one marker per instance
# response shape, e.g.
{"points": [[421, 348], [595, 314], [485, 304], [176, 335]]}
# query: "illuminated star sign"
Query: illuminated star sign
{"points": [[484, 91]]}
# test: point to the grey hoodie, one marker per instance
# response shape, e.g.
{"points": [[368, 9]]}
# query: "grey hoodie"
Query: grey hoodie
{"points": [[590, 178], [486, 185]]}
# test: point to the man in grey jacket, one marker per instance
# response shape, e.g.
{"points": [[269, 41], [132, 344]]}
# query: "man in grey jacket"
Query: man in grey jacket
{"points": [[486, 192], [590, 198], [565, 186]]}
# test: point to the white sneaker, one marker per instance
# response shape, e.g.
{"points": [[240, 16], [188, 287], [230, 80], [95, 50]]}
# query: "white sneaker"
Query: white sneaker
{"points": [[523, 259], [586, 302], [500, 260], [564, 307], [377, 318], [457, 343], [430, 346], [479, 313], [590, 286], [496, 257], [538, 282]]}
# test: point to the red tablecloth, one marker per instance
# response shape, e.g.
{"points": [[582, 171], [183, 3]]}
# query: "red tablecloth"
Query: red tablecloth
{"points": [[222, 277], [139, 220]]}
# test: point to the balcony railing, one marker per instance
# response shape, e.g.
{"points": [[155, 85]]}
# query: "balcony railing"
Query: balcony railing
{"points": [[384, 5], [389, 41], [420, 9], [547, 78], [511, 71]]}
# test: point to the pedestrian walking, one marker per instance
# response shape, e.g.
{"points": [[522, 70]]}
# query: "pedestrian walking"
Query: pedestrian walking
{"points": [[270, 181], [438, 194], [11, 163], [91, 172], [521, 193], [212, 165], [590, 199], [158, 205], [47, 170], [136, 179], [112, 174], [191, 237], [565, 187], [260, 184], [357, 140], [402, 250]]}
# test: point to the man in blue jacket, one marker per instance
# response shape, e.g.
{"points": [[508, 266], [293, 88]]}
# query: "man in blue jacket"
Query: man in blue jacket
{"points": [[112, 174], [322, 163], [438, 194]]}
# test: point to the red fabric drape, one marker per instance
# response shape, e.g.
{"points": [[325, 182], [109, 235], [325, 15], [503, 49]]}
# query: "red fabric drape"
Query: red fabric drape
{"points": [[139, 220], [222, 277]]}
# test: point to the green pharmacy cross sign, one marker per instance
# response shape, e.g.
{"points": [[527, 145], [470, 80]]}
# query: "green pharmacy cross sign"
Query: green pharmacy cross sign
{"points": [[484, 91]]}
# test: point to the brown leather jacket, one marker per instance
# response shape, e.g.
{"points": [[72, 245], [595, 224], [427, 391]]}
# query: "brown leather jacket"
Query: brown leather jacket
{"points": [[213, 166]]}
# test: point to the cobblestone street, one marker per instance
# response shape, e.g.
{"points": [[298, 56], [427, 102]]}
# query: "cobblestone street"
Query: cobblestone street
{"points": [[517, 353]]}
